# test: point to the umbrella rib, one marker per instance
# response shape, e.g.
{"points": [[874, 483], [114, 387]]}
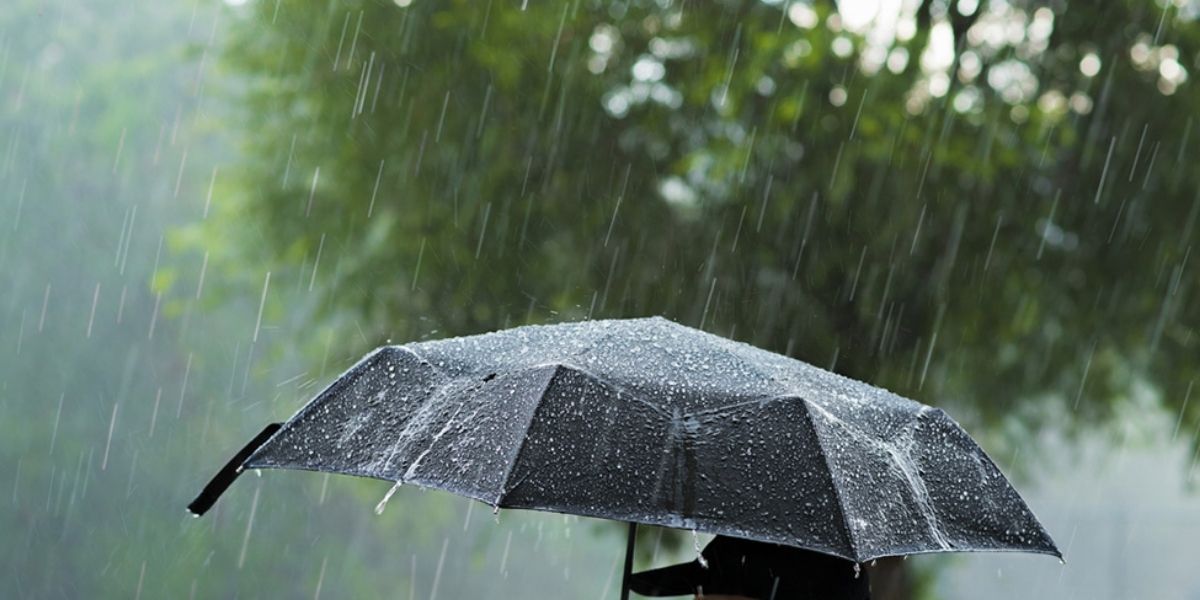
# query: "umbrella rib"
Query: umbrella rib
{"points": [[755, 400], [837, 490], [421, 357]]}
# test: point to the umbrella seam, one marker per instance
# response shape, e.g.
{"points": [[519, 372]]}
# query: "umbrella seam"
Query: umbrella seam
{"points": [[754, 400], [837, 490], [537, 404]]}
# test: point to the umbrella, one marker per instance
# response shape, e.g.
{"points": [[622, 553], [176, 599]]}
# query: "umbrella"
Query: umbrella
{"points": [[648, 421]]}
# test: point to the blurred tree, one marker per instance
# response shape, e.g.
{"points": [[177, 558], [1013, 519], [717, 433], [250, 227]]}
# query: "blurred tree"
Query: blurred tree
{"points": [[119, 399], [105, 401], [984, 205]]}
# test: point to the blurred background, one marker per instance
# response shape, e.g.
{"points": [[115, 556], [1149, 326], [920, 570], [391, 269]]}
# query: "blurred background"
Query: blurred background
{"points": [[210, 209]]}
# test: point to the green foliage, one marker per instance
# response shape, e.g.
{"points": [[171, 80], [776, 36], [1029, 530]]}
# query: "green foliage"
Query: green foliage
{"points": [[113, 411], [1018, 254], [485, 167]]}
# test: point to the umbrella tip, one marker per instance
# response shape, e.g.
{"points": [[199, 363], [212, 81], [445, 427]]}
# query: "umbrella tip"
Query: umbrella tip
{"points": [[198, 507]]}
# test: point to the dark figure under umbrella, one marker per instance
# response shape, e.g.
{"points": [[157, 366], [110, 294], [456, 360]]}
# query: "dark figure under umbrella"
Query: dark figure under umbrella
{"points": [[740, 569]]}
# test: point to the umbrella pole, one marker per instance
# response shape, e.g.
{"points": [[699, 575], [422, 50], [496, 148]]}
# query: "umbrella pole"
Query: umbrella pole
{"points": [[632, 537]]}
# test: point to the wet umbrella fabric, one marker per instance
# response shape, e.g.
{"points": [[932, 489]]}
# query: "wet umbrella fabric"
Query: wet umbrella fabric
{"points": [[648, 421]]}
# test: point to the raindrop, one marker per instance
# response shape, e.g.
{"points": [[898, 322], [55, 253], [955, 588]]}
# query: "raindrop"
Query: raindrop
{"points": [[1104, 174], [261, 303], [437, 574], [249, 528], [388, 496], [504, 556], [111, 424], [320, 579]]}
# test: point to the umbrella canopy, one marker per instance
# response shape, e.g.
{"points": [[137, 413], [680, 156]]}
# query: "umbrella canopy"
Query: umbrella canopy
{"points": [[649, 421]]}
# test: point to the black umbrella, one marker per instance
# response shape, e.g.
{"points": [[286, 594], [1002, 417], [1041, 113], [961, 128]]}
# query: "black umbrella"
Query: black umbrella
{"points": [[648, 421]]}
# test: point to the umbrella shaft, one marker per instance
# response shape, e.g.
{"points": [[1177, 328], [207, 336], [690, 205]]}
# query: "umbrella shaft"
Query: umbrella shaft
{"points": [[632, 537]]}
